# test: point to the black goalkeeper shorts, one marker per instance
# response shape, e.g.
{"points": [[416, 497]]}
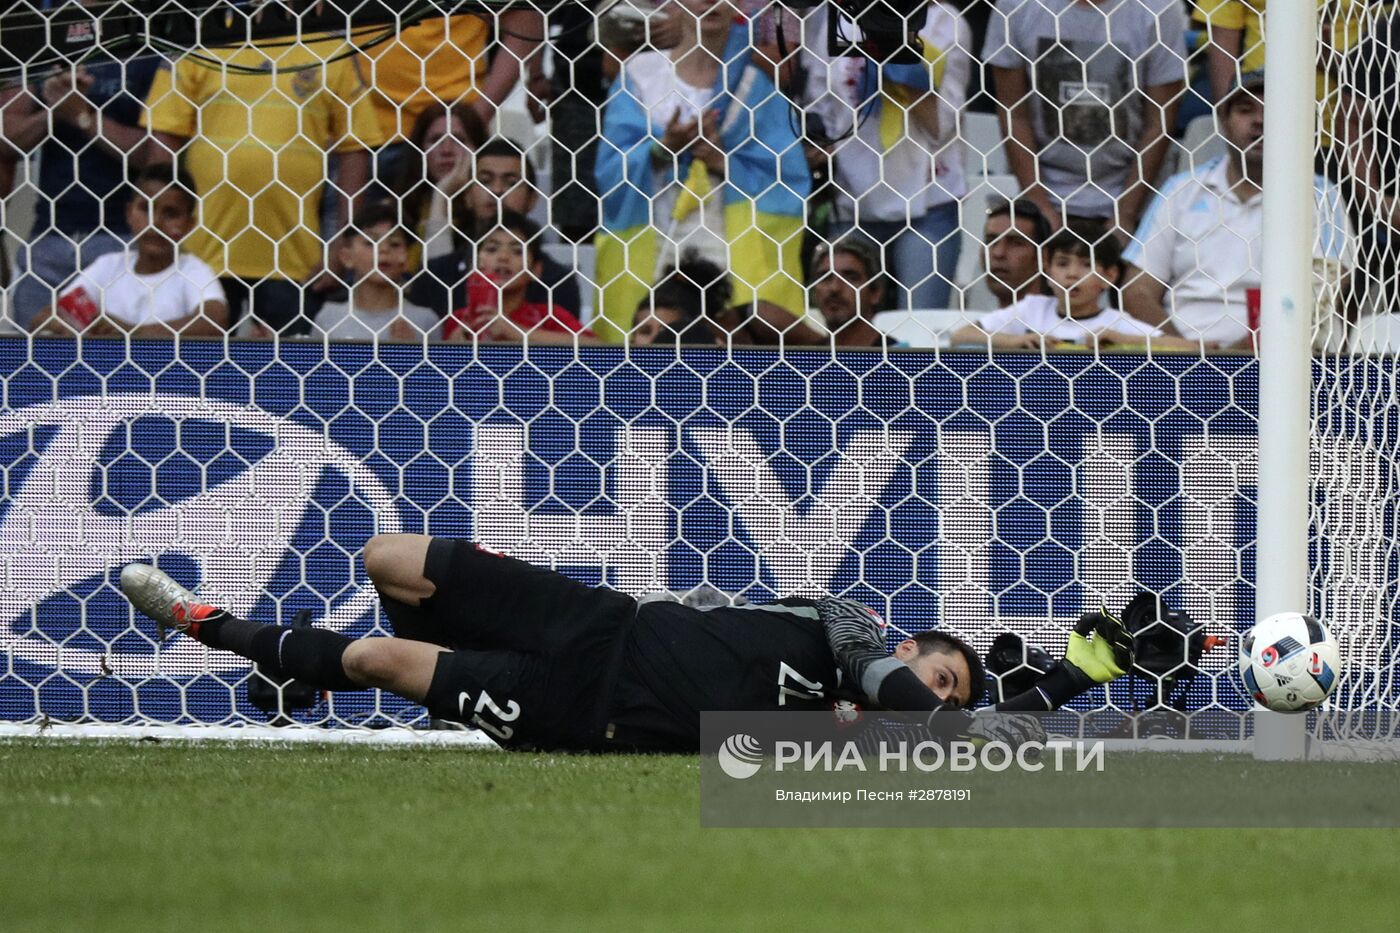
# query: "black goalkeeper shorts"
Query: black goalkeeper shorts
{"points": [[534, 653]]}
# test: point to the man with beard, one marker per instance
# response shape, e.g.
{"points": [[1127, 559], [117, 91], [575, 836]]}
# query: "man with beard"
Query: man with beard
{"points": [[848, 288], [1196, 258]]}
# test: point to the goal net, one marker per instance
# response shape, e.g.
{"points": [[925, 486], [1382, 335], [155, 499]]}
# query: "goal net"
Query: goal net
{"points": [[757, 347], [1352, 551]]}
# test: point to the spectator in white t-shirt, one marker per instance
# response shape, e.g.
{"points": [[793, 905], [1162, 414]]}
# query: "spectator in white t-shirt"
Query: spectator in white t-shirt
{"points": [[1082, 264], [150, 289], [373, 253], [1197, 256]]}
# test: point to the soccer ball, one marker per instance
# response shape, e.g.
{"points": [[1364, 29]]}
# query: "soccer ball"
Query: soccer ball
{"points": [[1289, 662]]}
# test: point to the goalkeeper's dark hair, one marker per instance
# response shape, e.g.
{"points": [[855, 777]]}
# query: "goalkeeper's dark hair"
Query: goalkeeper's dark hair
{"points": [[951, 644]]}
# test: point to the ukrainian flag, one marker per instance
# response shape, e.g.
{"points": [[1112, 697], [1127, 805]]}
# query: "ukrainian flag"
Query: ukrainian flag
{"points": [[763, 194]]}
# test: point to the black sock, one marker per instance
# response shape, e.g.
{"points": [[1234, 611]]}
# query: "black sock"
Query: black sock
{"points": [[211, 631], [309, 654]]}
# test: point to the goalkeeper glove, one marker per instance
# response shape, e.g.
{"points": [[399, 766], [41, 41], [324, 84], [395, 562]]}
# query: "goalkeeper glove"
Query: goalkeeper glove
{"points": [[1100, 647], [1015, 729], [1100, 650]]}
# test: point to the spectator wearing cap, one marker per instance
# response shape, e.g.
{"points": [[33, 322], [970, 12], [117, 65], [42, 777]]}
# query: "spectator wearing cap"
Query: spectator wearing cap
{"points": [[1236, 30], [1012, 239], [848, 288], [1196, 257], [1087, 89]]}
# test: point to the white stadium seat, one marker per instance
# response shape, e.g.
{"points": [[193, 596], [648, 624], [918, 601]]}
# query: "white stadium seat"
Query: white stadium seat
{"points": [[1376, 333], [922, 328], [582, 257], [984, 145]]}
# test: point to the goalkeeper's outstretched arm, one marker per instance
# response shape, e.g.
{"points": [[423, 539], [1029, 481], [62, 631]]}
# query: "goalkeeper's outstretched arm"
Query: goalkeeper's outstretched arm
{"points": [[1100, 649]]}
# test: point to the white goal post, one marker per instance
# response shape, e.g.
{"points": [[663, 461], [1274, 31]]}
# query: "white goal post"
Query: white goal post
{"points": [[1285, 351]]}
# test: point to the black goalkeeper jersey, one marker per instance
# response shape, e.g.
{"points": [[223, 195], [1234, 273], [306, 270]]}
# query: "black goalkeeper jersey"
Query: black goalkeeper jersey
{"points": [[679, 661], [538, 660]]}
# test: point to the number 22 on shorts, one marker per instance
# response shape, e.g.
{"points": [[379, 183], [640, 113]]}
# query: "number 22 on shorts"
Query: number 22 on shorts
{"points": [[484, 702]]}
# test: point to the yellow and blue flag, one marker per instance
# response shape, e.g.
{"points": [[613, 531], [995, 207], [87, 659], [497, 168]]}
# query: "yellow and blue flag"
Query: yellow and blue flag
{"points": [[763, 192]]}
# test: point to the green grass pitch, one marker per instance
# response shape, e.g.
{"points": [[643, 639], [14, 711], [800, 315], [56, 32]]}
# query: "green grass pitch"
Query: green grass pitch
{"points": [[118, 836]]}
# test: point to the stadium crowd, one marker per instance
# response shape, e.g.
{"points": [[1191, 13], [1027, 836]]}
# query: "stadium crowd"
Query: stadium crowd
{"points": [[713, 172]]}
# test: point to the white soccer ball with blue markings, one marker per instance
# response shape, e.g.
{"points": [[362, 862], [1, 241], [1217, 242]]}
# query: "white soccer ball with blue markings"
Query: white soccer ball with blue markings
{"points": [[1289, 662]]}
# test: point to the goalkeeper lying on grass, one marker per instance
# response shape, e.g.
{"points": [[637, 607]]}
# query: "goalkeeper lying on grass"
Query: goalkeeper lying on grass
{"points": [[537, 660]]}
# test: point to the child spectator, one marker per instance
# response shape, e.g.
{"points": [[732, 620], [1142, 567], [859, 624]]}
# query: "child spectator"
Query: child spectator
{"points": [[1082, 264], [84, 125], [151, 288], [753, 323], [498, 309], [675, 311], [503, 182], [374, 254]]}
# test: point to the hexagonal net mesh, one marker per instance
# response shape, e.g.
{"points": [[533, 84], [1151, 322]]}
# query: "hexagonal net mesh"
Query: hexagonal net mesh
{"points": [[949, 307]]}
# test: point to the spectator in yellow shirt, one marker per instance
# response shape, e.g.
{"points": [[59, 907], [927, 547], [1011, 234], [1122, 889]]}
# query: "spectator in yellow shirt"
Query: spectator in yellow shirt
{"points": [[255, 135], [444, 59]]}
